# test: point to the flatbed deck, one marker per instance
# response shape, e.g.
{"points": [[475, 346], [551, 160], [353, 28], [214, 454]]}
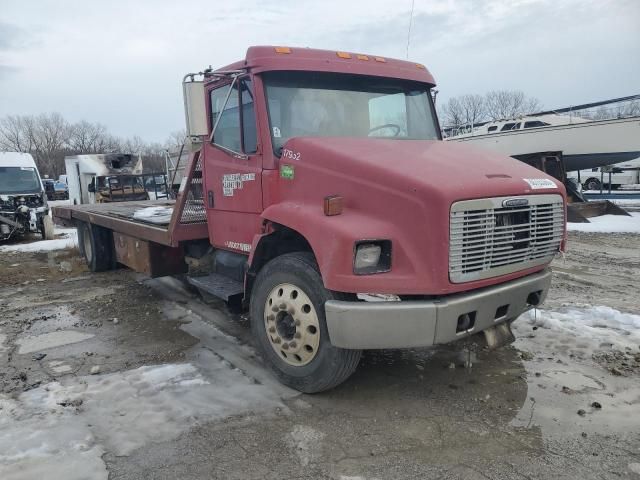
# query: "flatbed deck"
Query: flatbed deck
{"points": [[147, 220], [126, 210]]}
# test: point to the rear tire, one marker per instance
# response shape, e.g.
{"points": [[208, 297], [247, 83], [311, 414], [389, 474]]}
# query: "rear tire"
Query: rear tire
{"points": [[287, 308], [96, 246], [592, 184]]}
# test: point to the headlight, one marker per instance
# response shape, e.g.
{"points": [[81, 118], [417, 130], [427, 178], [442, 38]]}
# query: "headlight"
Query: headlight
{"points": [[372, 256]]}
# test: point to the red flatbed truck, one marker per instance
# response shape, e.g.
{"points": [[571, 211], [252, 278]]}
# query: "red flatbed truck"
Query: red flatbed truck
{"points": [[320, 195]]}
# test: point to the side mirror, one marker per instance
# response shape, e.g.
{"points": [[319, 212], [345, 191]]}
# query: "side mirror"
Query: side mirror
{"points": [[195, 107], [91, 188]]}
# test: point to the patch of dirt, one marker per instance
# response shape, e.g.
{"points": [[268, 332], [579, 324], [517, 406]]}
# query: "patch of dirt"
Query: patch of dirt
{"points": [[53, 292], [24, 268], [619, 363]]}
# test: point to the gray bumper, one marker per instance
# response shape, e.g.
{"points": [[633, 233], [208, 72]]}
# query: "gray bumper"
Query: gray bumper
{"points": [[364, 325]]}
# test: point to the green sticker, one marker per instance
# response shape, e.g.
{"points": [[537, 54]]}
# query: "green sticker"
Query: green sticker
{"points": [[287, 171]]}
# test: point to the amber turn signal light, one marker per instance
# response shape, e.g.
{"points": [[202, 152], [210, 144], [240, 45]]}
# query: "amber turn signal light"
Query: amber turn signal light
{"points": [[332, 205]]}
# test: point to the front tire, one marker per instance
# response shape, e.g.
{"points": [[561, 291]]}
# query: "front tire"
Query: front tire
{"points": [[47, 228], [288, 323]]}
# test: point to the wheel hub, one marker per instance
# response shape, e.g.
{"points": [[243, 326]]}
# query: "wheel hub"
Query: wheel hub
{"points": [[292, 324], [285, 325]]}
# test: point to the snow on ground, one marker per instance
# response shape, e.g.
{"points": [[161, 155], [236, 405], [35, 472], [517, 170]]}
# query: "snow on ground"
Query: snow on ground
{"points": [[61, 430], [69, 239], [600, 326], [609, 224], [160, 214], [35, 343], [58, 203]]}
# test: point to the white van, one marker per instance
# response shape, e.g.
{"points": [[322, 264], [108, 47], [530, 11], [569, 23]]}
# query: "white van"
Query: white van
{"points": [[23, 203]]}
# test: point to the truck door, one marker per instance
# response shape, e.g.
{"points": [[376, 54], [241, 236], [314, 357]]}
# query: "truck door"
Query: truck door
{"points": [[233, 168]]}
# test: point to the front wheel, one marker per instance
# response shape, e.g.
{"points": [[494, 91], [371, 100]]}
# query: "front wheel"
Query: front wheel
{"points": [[47, 228], [288, 323]]}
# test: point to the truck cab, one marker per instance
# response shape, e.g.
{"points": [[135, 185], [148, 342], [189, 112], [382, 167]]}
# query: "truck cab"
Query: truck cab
{"points": [[319, 193]]}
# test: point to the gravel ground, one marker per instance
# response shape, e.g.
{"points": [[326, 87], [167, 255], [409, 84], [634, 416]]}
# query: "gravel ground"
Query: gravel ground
{"points": [[549, 406]]}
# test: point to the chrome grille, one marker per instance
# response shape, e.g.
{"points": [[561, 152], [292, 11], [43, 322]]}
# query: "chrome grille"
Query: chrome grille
{"points": [[488, 239]]}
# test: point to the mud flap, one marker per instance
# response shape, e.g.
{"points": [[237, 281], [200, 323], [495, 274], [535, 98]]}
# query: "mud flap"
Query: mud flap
{"points": [[499, 335]]}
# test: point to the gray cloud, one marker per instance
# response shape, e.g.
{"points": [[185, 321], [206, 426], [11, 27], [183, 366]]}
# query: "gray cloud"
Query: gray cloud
{"points": [[12, 36], [564, 53], [6, 71]]}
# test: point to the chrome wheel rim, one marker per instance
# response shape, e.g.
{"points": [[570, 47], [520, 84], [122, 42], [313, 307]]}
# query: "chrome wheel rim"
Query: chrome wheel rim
{"points": [[292, 324]]}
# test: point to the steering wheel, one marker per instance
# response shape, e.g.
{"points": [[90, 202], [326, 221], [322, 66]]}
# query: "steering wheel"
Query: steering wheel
{"points": [[387, 125]]}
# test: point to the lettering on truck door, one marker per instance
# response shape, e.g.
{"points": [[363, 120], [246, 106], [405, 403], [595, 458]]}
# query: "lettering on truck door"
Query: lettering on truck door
{"points": [[233, 168]]}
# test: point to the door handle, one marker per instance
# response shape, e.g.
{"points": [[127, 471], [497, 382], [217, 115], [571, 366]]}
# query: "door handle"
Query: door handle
{"points": [[210, 198]]}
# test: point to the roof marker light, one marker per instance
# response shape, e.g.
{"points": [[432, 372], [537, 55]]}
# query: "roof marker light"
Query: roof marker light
{"points": [[419, 65], [343, 54], [362, 57], [283, 50], [379, 59]]}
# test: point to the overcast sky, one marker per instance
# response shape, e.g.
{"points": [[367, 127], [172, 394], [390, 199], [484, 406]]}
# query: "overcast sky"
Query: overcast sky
{"points": [[120, 62]]}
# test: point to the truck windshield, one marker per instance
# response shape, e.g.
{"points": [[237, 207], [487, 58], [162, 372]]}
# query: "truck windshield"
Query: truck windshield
{"points": [[329, 104], [19, 180]]}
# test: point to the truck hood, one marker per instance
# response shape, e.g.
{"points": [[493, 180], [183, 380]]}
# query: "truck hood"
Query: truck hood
{"points": [[455, 171], [396, 190]]}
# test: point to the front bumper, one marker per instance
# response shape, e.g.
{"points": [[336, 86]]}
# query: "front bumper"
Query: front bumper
{"points": [[404, 324]]}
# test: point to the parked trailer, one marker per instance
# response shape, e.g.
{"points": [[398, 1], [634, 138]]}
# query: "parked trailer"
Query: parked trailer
{"points": [[579, 208], [321, 176]]}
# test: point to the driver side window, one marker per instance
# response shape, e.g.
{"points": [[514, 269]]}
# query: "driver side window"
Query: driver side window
{"points": [[236, 128], [227, 133], [387, 114]]}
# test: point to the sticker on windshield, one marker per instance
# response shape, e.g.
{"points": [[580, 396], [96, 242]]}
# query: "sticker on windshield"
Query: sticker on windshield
{"points": [[276, 132], [538, 183]]}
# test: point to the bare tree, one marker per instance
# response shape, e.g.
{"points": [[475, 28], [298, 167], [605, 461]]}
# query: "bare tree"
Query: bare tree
{"points": [[630, 109], [507, 104], [50, 140], [602, 113], [465, 110], [86, 137], [133, 145], [452, 113], [16, 133], [176, 139], [474, 108]]}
